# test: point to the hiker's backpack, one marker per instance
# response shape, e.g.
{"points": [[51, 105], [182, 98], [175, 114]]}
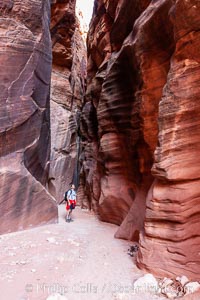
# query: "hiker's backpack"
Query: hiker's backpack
{"points": [[67, 193]]}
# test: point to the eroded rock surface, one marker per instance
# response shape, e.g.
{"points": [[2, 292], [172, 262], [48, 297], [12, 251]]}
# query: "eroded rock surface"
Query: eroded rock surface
{"points": [[172, 215], [140, 128], [25, 48], [67, 92]]}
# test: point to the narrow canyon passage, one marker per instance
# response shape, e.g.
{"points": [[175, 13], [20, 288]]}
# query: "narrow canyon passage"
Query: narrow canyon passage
{"points": [[80, 260], [115, 109]]}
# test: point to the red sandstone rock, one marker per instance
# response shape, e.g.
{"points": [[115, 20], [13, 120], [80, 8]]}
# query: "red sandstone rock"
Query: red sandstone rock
{"points": [[141, 141], [24, 115], [172, 222], [118, 161], [67, 91]]}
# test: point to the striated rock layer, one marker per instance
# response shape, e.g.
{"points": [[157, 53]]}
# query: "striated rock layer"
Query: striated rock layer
{"points": [[173, 202], [25, 56], [67, 92], [140, 129]]}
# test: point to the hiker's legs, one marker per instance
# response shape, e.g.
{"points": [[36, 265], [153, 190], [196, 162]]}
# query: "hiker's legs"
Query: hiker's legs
{"points": [[73, 207], [69, 214]]}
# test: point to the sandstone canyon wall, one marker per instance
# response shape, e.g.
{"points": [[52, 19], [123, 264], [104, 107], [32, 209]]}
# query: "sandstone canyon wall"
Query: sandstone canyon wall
{"points": [[25, 57], [67, 93], [140, 129]]}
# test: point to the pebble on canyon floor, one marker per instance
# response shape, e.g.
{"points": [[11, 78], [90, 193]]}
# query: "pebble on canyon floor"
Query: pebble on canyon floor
{"points": [[179, 287], [170, 288], [51, 240], [191, 287], [132, 250], [146, 284]]}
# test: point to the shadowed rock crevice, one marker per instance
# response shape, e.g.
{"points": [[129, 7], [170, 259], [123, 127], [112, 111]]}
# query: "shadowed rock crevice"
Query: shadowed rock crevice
{"points": [[67, 93]]}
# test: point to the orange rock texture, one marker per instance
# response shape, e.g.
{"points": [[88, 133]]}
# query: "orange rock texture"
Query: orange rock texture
{"points": [[25, 56], [140, 129], [67, 93]]}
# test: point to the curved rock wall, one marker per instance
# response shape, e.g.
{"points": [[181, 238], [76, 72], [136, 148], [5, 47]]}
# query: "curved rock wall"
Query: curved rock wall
{"points": [[67, 92], [25, 57], [173, 210], [140, 129]]}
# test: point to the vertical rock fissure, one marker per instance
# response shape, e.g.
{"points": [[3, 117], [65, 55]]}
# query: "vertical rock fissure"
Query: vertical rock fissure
{"points": [[67, 94]]}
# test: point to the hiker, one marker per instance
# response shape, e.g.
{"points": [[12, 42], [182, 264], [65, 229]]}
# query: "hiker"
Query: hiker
{"points": [[71, 202]]}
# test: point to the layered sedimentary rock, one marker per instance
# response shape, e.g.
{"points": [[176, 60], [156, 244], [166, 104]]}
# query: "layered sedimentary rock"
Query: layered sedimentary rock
{"points": [[67, 92], [140, 127], [24, 115], [173, 202], [113, 173]]}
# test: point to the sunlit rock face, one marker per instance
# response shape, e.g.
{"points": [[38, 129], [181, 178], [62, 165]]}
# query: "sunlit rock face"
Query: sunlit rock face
{"points": [[140, 129], [67, 92], [24, 115]]}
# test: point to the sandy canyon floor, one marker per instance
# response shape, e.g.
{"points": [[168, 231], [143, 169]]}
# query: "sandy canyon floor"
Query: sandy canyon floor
{"points": [[81, 260]]}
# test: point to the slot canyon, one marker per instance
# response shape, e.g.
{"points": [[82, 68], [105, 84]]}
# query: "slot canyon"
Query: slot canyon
{"points": [[117, 114]]}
